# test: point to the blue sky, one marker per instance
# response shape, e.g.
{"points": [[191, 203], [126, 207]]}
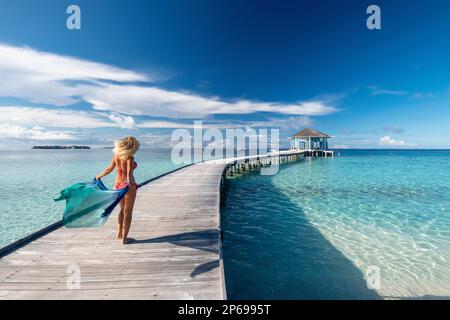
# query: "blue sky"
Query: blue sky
{"points": [[147, 67]]}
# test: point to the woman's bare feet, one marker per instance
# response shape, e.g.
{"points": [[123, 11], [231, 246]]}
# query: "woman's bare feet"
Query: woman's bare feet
{"points": [[119, 235], [127, 240]]}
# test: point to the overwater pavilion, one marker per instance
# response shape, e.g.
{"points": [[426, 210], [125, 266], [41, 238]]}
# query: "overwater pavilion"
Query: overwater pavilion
{"points": [[311, 140]]}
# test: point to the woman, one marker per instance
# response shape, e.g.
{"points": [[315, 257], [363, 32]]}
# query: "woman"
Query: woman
{"points": [[123, 161]]}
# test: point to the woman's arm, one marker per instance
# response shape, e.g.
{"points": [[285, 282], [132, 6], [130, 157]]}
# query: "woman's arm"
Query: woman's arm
{"points": [[107, 170], [130, 168]]}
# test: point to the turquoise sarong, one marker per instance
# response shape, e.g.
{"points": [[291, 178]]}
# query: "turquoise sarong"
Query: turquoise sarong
{"points": [[88, 205]]}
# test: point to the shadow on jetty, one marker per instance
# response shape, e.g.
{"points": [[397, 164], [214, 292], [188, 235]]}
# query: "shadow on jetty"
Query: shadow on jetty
{"points": [[271, 251], [205, 267], [205, 240]]}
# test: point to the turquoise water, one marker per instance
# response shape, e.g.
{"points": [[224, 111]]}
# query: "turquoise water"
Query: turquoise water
{"points": [[32, 178], [312, 230]]}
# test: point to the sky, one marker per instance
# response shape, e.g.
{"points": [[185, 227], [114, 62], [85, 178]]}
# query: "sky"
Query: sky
{"points": [[145, 68]]}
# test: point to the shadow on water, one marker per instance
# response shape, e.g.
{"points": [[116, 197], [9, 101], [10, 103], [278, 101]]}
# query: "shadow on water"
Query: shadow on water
{"points": [[271, 251]]}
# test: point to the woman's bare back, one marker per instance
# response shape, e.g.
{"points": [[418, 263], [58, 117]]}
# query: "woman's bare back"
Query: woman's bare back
{"points": [[124, 168]]}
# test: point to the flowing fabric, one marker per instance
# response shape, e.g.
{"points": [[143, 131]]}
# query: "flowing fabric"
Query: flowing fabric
{"points": [[88, 205]]}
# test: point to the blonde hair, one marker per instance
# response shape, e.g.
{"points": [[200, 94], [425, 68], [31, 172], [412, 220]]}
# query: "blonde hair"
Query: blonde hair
{"points": [[126, 147]]}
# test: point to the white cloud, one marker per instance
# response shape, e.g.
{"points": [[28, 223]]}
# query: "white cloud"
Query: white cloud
{"points": [[41, 77], [388, 141], [67, 118], [340, 146], [156, 140], [161, 124], [52, 67], [29, 116], [290, 123], [36, 133], [63, 118], [376, 91], [125, 122], [152, 101], [422, 95]]}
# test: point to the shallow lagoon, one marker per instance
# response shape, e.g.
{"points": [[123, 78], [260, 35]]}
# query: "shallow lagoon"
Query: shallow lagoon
{"points": [[313, 230]]}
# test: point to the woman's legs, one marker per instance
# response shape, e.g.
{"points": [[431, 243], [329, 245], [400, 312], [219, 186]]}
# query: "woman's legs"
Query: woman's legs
{"points": [[120, 221], [130, 198]]}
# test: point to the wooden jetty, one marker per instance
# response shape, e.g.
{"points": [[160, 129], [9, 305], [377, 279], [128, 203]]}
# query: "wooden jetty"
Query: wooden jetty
{"points": [[320, 153], [176, 253]]}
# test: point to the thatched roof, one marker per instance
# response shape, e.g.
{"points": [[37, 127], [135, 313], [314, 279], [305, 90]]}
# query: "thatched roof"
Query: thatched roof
{"points": [[308, 132]]}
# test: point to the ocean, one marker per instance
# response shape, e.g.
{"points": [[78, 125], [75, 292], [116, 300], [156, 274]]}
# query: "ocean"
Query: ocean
{"points": [[320, 228]]}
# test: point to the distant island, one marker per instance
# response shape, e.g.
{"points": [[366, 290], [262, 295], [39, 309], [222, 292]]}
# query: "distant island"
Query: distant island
{"points": [[61, 147]]}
